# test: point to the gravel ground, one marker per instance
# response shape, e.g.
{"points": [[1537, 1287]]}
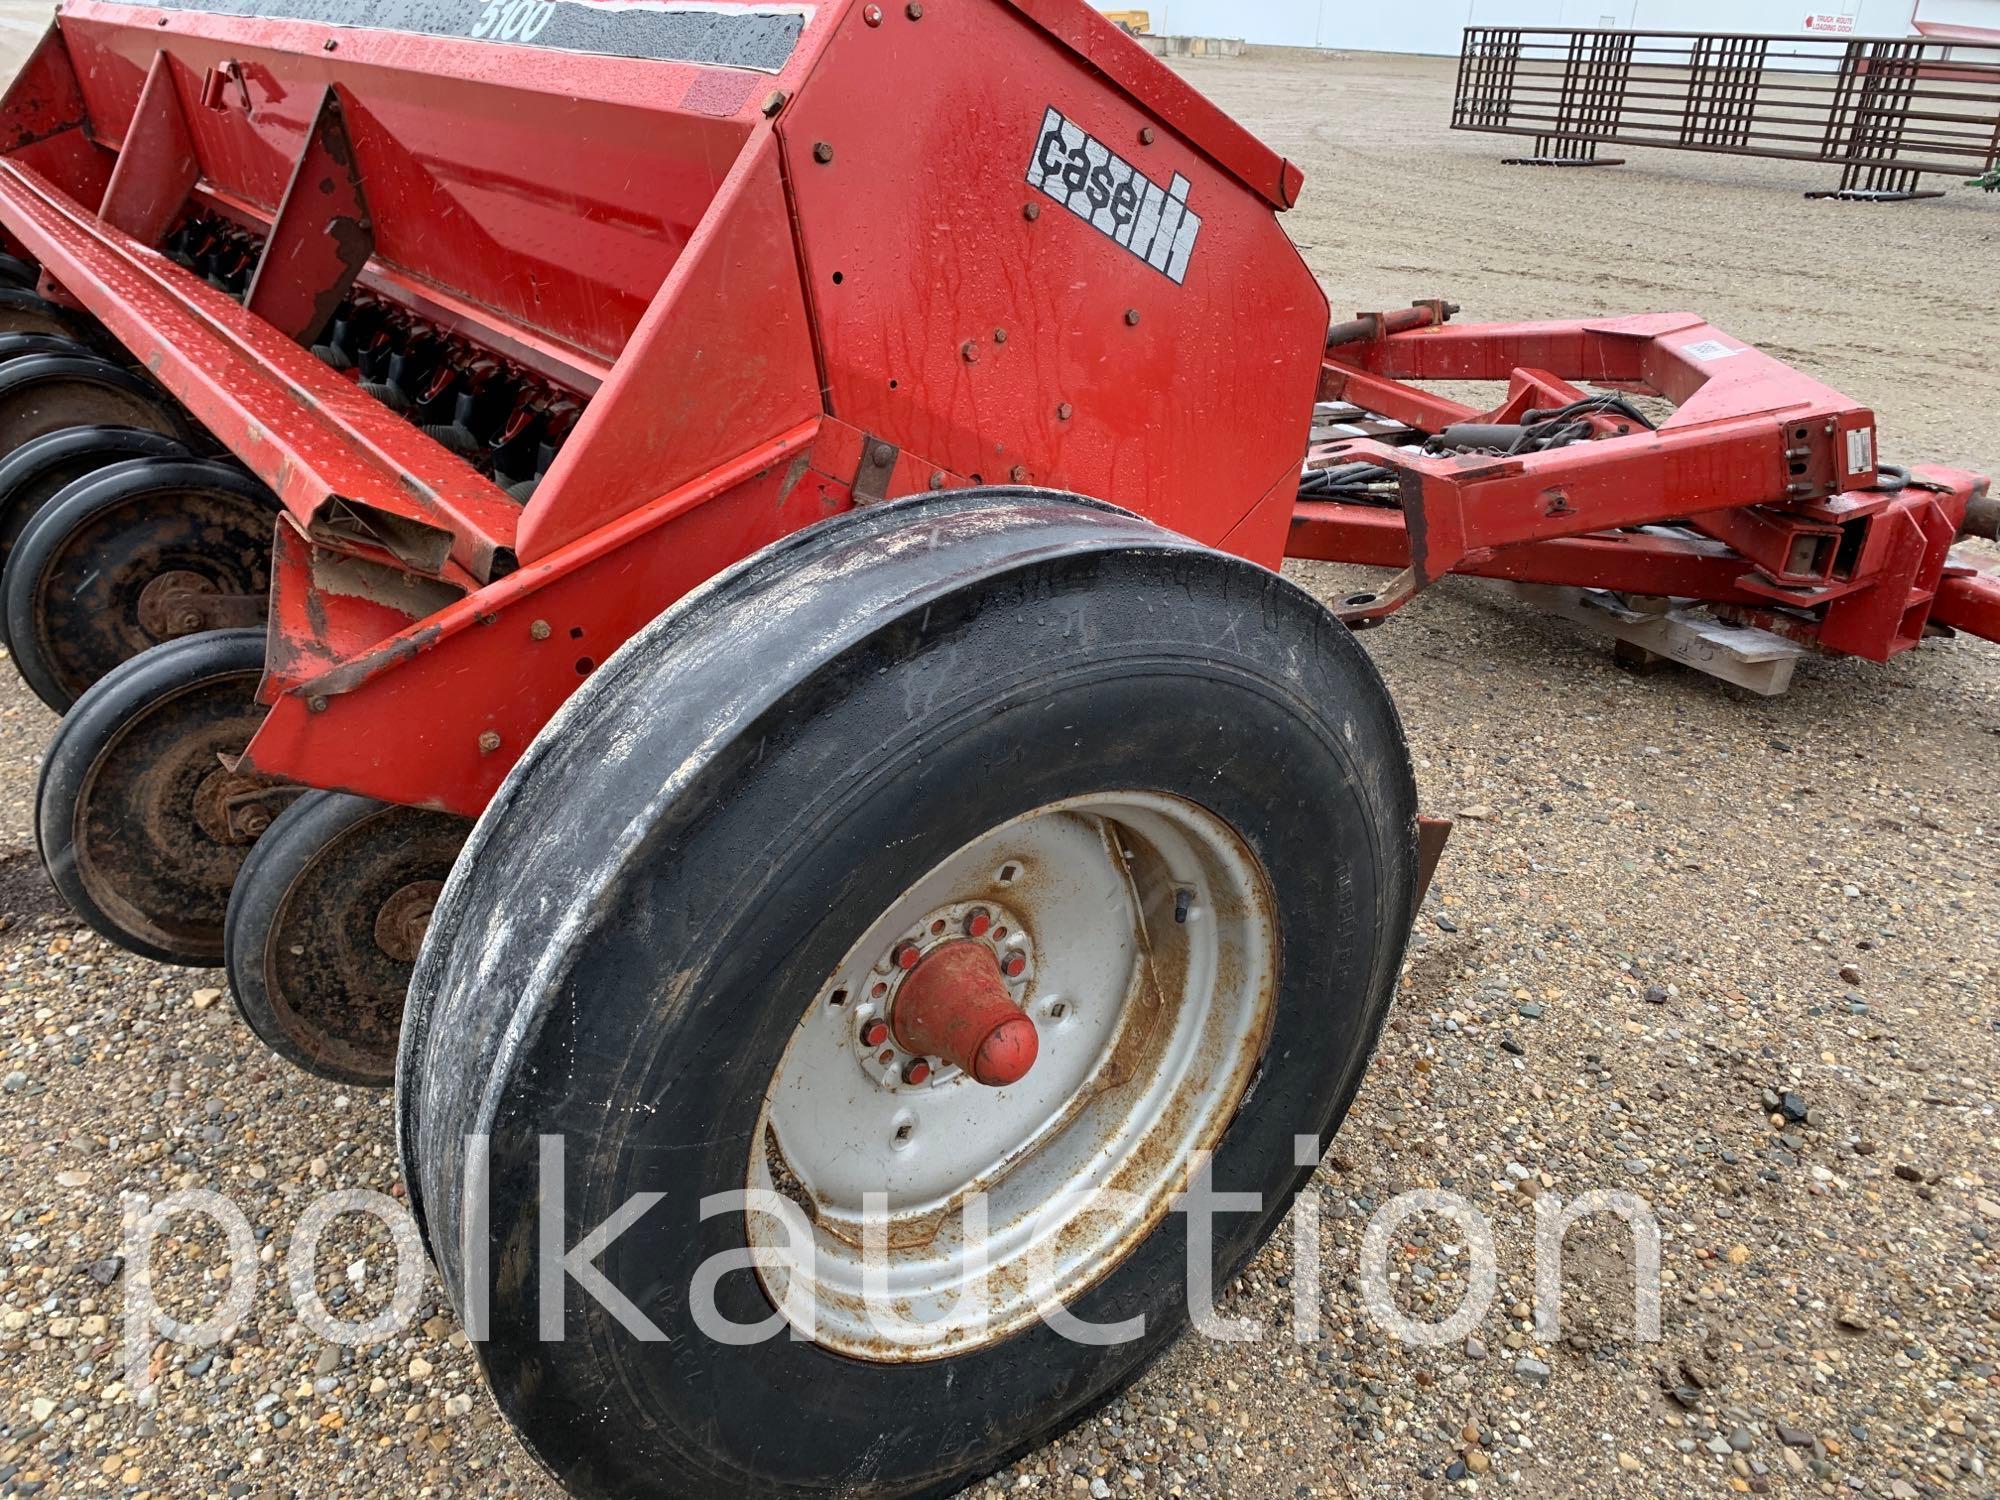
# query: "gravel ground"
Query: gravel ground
{"points": [[1675, 919]]}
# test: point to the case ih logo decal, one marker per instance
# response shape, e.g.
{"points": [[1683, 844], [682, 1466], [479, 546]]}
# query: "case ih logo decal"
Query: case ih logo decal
{"points": [[1114, 197]]}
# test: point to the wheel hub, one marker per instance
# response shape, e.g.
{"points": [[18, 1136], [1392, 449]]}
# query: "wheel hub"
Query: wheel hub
{"points": [[405, 917], [232, 808], [1074, 1001], [947, 982], [170, 605]]}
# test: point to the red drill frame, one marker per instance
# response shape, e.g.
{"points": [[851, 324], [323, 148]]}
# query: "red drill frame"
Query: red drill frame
{"points": [[869, 263], [1760, 494]]}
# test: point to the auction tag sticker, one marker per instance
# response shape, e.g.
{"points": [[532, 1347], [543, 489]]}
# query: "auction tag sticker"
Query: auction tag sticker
{"points": [[1709, 349], [1114, 197]]}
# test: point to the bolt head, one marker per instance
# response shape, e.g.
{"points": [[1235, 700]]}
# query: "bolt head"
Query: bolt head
{"points": [[1020, 474], [254, 821], [884, 454], [875, 1033], [906, 956], [489, 741], [938, 480], [999, 335], [970, 352], [1014, 965], [1146, 136], [978, 922], [539, 630], [914, 11], [316, 704], [773, 102], [823, 152], [1131, 317], [872, 15], [916, 1071], [1031, 212], [1065, 412]]}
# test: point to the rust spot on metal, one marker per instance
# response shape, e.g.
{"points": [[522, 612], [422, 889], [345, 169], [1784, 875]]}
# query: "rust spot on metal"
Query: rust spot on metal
{"points": [[1432, 835]]}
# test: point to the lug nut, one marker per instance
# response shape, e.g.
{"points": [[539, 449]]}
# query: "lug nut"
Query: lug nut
{"points": [[905, 956], [916, 1071], [978, 922], [1014, 965], [875, 1033]]}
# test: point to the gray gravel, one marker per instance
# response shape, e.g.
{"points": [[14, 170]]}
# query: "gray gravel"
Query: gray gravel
{"points": [[1736, 955]]}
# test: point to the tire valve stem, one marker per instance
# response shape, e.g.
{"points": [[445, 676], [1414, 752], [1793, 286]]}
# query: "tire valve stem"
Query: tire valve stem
{"points": [[1183, 900]]}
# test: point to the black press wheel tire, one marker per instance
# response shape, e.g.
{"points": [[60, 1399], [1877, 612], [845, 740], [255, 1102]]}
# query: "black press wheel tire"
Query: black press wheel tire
{"points": [[688, 850], [21, 311], [43, 393], [16, 272], [324, 927], [132, 809], [36, 472], [83, 585], [20, 345]]}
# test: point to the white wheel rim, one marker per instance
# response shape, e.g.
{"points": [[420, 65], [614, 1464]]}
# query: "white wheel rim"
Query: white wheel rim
{"points": [[1147, 954]]}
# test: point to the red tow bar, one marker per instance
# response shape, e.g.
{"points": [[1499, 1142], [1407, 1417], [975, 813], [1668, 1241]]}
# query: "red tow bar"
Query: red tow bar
{"points": [[954, 1005]]}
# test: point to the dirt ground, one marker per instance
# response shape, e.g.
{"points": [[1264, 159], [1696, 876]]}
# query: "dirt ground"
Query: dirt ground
{"points": [[1670, 905]]}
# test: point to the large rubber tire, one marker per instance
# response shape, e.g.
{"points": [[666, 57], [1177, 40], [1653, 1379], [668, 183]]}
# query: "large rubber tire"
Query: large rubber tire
{"points": [[689, 848], [312, 970], [36, 472], [44, 393], [116, 807], [76, 581]]}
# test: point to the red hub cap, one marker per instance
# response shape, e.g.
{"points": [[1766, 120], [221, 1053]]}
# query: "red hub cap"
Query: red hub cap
{"points": [[954, 1005]]}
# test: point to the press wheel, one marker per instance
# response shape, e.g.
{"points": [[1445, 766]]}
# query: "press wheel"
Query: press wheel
{"points": [[144, 551], [142, 821], [37, 471], [325, 924], [43, 393]]}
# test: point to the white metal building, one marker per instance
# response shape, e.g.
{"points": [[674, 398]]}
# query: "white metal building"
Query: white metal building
{"points": [[1434, 25]]}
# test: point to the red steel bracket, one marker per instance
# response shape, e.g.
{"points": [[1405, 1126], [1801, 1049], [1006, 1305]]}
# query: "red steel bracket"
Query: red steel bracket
{"points": [[1758, 494]]}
